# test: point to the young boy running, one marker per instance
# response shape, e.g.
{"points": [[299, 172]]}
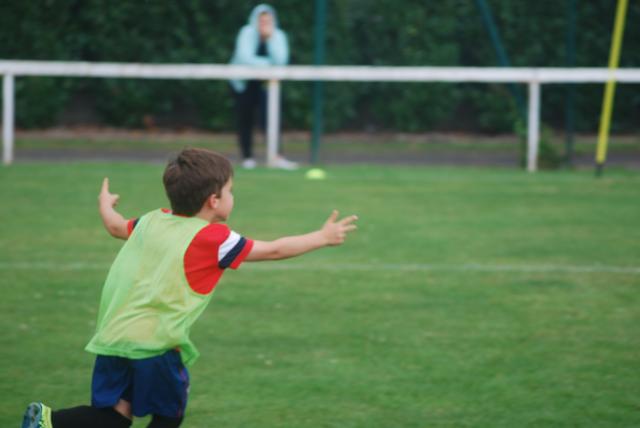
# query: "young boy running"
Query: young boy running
{"points": [[158, 285]]}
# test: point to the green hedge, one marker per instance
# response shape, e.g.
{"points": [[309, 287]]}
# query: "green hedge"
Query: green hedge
{"points": [[359, 32]]}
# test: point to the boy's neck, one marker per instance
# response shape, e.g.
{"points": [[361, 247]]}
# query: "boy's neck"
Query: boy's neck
{"points": [[207, 215]]}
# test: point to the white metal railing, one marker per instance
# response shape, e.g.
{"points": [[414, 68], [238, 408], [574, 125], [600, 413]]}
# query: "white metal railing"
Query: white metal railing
{"points": [[533, 77]]}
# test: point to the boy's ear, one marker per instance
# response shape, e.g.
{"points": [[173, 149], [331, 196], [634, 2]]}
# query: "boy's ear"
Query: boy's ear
{"points": [[213, 201]]}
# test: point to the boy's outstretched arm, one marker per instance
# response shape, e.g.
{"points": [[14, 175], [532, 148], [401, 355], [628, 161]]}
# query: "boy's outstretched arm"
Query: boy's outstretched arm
{"points": [[333, 232], [115, 224]]}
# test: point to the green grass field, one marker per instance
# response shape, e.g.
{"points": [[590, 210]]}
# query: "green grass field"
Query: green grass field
{"points": [[467, 298]]}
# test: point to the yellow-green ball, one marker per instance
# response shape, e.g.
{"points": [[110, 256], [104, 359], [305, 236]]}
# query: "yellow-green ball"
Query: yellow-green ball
{"points": [[316, 174]]}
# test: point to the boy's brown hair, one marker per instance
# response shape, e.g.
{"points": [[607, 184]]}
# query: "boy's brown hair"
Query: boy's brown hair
{"points": [[192, 176]]}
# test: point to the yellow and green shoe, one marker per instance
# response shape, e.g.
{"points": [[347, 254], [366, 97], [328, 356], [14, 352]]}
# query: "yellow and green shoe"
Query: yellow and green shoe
{"points": [[37, 415]]}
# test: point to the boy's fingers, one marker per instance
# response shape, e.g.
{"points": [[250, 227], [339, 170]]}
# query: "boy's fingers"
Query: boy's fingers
{"points": [[105, 184], [348, 220], [349, 228], [332, 218], [113, 200]]}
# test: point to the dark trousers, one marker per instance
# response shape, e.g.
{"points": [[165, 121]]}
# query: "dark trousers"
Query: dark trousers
{"points": [[251, 104], [88, 416]]}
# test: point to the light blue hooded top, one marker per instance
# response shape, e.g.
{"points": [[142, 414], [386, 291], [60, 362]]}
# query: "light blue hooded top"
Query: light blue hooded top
{"points": [[248, 41]]}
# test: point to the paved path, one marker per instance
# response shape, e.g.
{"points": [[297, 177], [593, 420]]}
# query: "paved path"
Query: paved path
{"points": [[453, 158]]}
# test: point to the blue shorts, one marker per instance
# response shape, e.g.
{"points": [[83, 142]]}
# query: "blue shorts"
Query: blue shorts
{"points": [[157, 385]]}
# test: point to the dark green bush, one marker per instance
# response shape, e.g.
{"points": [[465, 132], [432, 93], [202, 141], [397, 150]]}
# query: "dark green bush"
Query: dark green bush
{"points": [[359, 32]]}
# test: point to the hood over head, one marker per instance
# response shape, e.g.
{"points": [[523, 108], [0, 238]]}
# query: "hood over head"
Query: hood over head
{"points": [[260, 9]]}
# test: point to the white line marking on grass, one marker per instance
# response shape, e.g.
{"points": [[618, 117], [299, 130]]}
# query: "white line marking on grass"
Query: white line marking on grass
{"points": [[389, 267], [54, 266], [469, 267]]}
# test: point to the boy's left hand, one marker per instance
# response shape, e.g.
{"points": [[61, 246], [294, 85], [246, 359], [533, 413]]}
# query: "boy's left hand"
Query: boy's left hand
{"points": [[115, 224], [106, 198]]}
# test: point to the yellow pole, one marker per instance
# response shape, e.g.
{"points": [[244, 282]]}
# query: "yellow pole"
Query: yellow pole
{"points": [[607, 102]]}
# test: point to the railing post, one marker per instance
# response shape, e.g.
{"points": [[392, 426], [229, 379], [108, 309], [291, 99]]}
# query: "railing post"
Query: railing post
{"points": [[273, 121], [7, 118], [533, 126]]}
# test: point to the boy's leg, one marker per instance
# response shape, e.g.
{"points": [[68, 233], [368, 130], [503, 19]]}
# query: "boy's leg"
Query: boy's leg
{"points": [[87, 416], [124, 408], [161, 388], [40, 416], [111, 382], [111, 386], [158, 421]]}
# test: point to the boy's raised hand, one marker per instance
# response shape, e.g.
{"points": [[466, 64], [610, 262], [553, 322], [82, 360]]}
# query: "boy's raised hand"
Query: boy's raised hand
{"points": [[105, 198], [115, 224], [335, 231]]}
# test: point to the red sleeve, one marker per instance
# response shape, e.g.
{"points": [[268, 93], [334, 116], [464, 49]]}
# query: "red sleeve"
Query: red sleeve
{"points": [[131, 224], [201, 261]]}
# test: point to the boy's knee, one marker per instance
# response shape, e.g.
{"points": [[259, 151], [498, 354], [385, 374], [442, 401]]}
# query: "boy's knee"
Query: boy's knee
{"points": [[124, 408], [164, 422]]}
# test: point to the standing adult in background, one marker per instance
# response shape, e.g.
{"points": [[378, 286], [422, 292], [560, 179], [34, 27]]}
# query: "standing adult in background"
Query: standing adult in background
{"points": [[259, 43]]}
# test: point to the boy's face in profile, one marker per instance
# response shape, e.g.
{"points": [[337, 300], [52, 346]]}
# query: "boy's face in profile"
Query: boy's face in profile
{"points": [[225, 202]]}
